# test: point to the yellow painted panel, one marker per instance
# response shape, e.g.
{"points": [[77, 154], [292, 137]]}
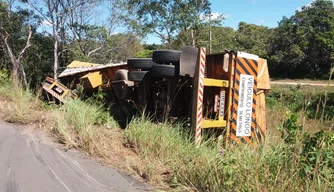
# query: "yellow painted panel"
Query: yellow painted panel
{"points": [[92, 80], [75, 64], [263, 79], [213, 124], [215, 83]]}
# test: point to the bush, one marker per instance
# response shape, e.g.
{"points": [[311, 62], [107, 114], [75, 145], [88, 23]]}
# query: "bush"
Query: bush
{"points": [[312, 154], [3, 74]]}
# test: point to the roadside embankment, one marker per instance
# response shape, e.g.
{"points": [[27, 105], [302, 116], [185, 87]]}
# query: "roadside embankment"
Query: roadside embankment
{"points": [[165, 155]]}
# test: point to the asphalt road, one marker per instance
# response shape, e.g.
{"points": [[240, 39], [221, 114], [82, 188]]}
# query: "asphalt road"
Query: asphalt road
{"points": [[31, 163], [302, 84]]}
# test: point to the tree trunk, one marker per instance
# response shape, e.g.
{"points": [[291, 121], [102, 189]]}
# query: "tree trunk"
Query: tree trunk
{"points": [[24, 77], [55, 53], [193, 38], [15, 71], [18, 69]]}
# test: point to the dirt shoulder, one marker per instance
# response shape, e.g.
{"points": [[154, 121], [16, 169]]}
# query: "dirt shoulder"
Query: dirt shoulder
{"points": [[303, 82], [53, 168], [113, 150]]}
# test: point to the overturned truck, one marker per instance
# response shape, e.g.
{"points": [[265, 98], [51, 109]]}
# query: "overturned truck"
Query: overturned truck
{"points": [[221, 93]]}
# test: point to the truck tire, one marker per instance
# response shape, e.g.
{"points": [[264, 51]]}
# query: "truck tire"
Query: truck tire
{"points": [[140, 63], [121, 74], [137, 75], [166, 56], [163, 71], [122, 86]]}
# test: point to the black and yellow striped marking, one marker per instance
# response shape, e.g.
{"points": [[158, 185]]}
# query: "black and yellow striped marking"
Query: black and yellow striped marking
{"points": [[248, 67]]}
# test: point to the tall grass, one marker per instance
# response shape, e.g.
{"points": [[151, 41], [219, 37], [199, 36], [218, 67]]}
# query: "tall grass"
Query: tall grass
{"points": [[22, 106], [79, 124], [267, 167]]}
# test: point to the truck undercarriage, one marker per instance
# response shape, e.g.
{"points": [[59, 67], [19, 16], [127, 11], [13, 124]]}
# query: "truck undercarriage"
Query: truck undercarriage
{"points": [[221, 92]]}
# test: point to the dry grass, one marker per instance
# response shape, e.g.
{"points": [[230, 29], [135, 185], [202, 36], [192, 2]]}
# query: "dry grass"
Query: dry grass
{"points": [[88, 127], [19, 105]]}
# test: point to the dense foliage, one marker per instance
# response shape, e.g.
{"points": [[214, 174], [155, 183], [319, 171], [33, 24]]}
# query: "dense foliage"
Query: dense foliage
{"points": [[303, 45]]}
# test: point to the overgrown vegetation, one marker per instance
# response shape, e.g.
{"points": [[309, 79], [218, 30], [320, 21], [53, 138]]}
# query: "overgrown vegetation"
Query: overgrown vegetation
{"points": [[300, 163], [310, 100], [79, 124], [26, 103]]}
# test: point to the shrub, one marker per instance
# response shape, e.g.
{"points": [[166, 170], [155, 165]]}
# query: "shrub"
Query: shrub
{"points": [[312, 154]]}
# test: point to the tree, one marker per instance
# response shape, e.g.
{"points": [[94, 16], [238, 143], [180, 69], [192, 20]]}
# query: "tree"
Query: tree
{"points": [[253, 38], [196, 15], [303, 45], [15, 26], [59, 13], [167, 18], [222, 38], [285, 53], [88, 41], [111, 49], [156, 16], [38, 59], [122, 46]]}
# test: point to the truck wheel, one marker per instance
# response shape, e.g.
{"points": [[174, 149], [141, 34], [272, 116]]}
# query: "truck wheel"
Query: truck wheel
{"points": [[121, 74], [123, 88], [166, 56], [140, 63], [137, 75], [163, 71]]}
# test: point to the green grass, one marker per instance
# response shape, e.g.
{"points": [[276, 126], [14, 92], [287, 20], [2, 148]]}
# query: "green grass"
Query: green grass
{"points": [[79, 124], [267, 167], [303, 98]]}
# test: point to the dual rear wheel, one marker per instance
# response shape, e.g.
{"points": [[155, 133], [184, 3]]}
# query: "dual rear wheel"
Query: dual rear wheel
{"points": [[164, 63]]}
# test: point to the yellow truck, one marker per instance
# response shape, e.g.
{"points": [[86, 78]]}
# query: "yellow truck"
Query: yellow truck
{"points": [[221, 93]]}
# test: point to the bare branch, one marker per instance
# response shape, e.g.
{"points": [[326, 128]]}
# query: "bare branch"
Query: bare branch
{"points": [[95, 50], [27, 44], [63, 51], [41, 13]]}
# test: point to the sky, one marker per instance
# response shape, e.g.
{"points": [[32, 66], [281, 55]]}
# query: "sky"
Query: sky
{"points": [[260, 12]]}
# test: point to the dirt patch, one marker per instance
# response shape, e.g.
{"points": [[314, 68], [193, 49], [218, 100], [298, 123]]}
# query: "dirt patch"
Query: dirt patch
{"points": [[112, 149]]}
